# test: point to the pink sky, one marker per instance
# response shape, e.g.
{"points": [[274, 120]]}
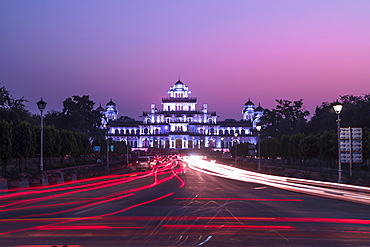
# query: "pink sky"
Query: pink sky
{"points": [[225, 51]]}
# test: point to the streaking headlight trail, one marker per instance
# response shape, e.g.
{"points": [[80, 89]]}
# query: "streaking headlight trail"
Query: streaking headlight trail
{"points": [[358, 194]]}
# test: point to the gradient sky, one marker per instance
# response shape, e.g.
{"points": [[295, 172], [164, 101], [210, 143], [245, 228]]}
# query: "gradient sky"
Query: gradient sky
{"points": [[225, 51]]}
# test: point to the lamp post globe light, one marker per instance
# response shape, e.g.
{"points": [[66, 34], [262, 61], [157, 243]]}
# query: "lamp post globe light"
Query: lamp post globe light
{"points": [[338, 108], [41, 105], [258, 128]]}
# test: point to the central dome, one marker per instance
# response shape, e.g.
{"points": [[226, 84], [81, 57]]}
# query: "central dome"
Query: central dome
{"points": [[179, 84]]}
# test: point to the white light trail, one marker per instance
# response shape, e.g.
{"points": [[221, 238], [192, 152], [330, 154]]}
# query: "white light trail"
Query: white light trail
{"points": [[346, 192]]}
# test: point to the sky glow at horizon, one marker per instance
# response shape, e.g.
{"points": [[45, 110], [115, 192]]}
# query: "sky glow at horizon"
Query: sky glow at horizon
{"points": [[225, 52]]}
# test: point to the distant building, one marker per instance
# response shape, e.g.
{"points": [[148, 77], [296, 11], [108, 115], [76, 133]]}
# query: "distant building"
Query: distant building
{"points": [[180, 125]]}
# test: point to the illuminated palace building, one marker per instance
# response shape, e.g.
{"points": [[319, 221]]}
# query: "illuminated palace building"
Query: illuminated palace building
{"points": [[181, 125]]}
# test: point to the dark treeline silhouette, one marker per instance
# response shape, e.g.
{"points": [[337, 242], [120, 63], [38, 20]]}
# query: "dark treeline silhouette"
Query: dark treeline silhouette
{"points": [[287, 132]]}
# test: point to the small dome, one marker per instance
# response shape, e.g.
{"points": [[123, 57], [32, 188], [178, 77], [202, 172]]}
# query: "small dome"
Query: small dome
{"points": [[259, 109], [111, 103], [249, 102], [100, 108]]}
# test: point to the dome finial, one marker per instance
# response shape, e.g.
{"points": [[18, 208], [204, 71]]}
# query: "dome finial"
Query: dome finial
{"points": [[111, 102]]}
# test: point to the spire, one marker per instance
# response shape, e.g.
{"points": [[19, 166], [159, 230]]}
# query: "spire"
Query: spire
{"points": [[249, 102], [111, 102], [100, 108]]}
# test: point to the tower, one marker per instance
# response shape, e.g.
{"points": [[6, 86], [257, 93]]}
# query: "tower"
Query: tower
{"points": [[248, 111], [111, 112]]}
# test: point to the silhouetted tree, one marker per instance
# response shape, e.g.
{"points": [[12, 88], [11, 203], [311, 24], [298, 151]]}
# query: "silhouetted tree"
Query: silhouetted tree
{"points": [[294, 152], [308, 147], [52, 142], [284, 148], [242, 149], [83, 144], [286, 119], [24, 141], [270, 148], [68, 144], [328, 146], [323, 120], [77, 115], [80, 110], [6, 130], [12, 109]]}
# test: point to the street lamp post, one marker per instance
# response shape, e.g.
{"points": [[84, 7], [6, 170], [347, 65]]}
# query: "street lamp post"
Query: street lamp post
{"points": [[108, 148], [338, 109], [236, 145], [41, 105], [259, 127]]}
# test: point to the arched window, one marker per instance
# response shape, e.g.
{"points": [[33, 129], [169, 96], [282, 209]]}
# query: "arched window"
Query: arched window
{"points": [[190, 144], [167, 144], [212, 131], [146, 143], [116, 132], [146, 131]]}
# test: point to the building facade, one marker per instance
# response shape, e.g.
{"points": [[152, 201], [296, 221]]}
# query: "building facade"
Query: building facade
{"points": [[180, 125]]}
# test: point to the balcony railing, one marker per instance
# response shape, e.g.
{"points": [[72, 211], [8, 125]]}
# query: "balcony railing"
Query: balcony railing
{"points": [[190, 99]]}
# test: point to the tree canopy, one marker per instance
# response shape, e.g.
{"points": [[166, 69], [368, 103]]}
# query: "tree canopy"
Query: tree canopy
{"points": [[12, 109], [287, 118], [78, 115]]}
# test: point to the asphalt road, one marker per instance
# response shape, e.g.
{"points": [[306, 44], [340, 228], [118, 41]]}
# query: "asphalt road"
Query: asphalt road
{"points": [[173, 207]]}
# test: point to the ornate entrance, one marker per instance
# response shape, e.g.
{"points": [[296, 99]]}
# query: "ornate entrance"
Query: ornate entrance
{"points": [[178, 143], [190, 144]]}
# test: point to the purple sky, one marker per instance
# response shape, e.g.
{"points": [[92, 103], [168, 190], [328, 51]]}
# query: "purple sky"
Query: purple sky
{"points": [[225, 51]]}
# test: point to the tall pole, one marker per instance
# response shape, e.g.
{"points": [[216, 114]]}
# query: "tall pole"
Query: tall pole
{"points": [[108, 148], [236, 150], [42, 143], [41, 105], [108, 153], [259, 152], [259, 127], [236, 146], [339, 161], [338, 108]]}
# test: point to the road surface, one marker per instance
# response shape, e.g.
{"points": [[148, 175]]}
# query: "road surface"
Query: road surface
{"points": [[177, 204]]}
